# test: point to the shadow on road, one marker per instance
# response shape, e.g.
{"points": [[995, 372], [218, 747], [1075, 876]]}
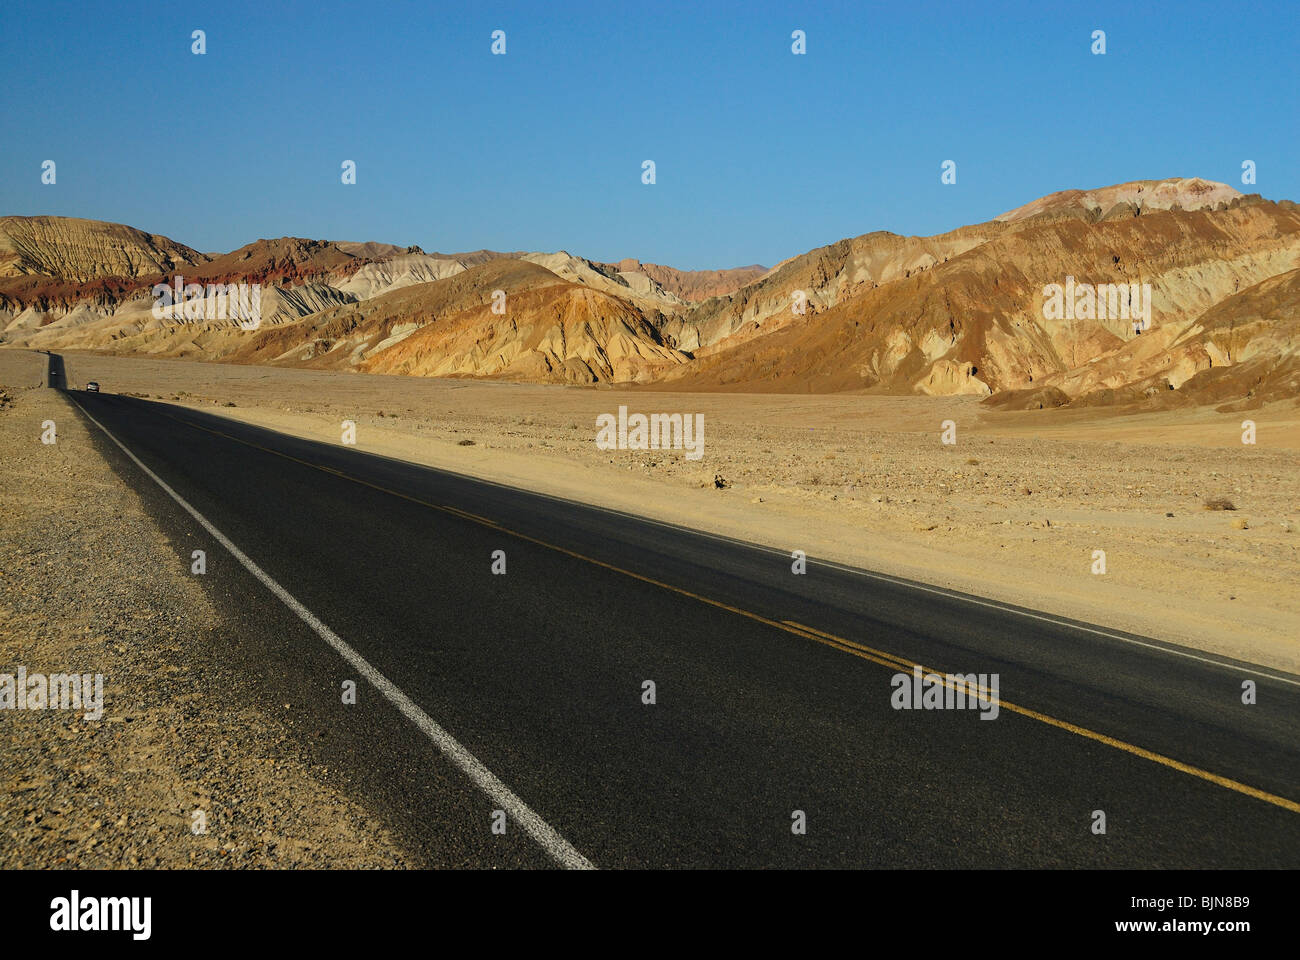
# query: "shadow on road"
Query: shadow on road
{"points": [[56, 377]]}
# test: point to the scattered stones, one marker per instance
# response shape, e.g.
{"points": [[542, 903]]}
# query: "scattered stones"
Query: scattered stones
{"points": [[92, 584]]}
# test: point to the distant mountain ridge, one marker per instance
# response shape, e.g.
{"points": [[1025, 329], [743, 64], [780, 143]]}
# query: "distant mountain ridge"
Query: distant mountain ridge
{"points": [[956, 313]]}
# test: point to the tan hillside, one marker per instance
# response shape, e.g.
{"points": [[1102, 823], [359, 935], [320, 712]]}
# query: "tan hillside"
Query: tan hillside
{"points": [[286, 260], [975, 323], [639, 286], [825, 276], [374, 251], [565, 333], [961, 312], [552, 330], [1127, 199], [1251, 347], [690, 285], [640, 289], [72, 249], [396, 272], [130, 328]]}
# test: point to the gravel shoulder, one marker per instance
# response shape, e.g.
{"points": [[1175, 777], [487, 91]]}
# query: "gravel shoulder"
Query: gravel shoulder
{"points": [[89, 584]]}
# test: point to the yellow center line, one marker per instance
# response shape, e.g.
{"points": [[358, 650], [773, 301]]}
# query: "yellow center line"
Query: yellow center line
{"points": [[789, 626], [868, 653]]}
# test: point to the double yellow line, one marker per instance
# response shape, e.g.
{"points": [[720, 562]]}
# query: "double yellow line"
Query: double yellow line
{"points": [[827, 639]]}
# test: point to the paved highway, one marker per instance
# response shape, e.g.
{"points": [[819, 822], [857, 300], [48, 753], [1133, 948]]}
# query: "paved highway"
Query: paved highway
{"points": [[773, 692]]}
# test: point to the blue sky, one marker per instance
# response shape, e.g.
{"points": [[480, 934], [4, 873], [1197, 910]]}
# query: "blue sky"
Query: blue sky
{"points": [[760, 154]]}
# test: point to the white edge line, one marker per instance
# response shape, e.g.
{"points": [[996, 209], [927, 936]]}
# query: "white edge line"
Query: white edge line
{"points": [[546, 836], [1062, 623]]}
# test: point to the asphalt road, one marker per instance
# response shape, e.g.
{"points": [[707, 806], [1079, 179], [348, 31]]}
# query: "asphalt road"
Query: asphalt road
{"points": [[772, 690], [54, 373]]}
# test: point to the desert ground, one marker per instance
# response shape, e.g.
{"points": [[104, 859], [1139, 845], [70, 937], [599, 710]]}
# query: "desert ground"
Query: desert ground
{"points": [[1012, 511], [88, 583]]}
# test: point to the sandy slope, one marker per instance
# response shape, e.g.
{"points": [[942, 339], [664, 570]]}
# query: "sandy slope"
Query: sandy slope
{"points": [[1013, 511]]}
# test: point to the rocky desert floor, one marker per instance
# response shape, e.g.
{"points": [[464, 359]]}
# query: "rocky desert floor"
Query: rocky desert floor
{"points": [[1013, 511], [89, 584]]}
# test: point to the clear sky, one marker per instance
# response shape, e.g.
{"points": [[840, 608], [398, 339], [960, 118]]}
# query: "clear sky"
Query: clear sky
{"points": [[760, 154]]}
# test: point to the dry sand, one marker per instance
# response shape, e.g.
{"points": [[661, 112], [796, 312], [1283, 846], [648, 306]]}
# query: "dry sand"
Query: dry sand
{"points": [[1012, 511]]}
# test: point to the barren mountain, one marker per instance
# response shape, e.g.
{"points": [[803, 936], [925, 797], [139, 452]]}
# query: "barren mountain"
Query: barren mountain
{"points": [[549, 329], [564, 333], [964, 312], [374, 251], [297, 276], [691, 285], [1128, 199], [475, 257], [816, 280], [398, 271], [638, 288], [975, 323], [1245, 348], [286, 260], [31, 301], [78, 250]]}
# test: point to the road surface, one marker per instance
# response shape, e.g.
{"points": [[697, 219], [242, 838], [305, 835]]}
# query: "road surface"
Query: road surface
{"points": [[525, 692]]}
